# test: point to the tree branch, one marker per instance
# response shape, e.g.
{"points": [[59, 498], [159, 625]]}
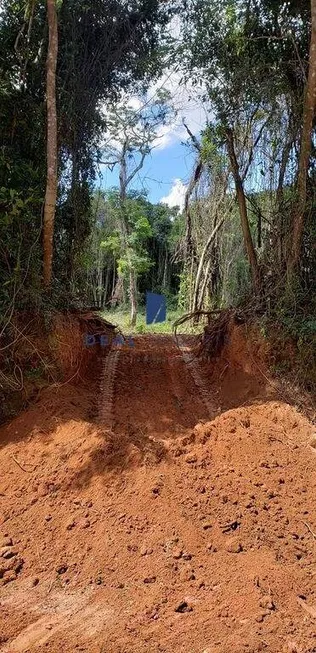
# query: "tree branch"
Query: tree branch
{"points": [[138, 167], [193, 138]]}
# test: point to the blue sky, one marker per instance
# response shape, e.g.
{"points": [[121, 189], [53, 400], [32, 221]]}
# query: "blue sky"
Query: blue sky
{"points": [[165, 174], [167, 170]]}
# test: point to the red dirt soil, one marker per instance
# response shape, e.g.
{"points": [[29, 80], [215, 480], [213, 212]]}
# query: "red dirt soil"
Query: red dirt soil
{"points": [[173, 532]]}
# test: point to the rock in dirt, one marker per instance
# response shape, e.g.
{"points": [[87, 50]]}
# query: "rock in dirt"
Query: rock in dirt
{"points": [[146, 551], [233, 545], [186, 575], [183, 607], [6, 541], [8, 553], [85, 523], [8, 577], [191, 458], [9, 569], [266, 602], [149, 580], [211, 547]]}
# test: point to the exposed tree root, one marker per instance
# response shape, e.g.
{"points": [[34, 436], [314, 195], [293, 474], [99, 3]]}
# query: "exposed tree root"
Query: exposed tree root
{"points": [[215, 332]]}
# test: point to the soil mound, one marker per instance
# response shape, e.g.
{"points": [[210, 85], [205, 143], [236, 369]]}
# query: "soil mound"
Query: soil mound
{"points": [[199, 539]]}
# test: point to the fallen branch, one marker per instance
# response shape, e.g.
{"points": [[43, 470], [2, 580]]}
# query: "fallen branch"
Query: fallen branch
{"points": [[60, 385], [29, 471], [309, 528], [190, 316]]}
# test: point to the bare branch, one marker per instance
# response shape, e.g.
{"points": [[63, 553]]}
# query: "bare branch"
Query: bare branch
{"points": [[138, 167], [193, 138]]}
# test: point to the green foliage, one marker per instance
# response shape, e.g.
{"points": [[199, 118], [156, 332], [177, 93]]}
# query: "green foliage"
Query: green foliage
{"points": [[212, 152], [132, 261], [150, 245], [112, 244], [121, 318], [141, 229], [233, 48], [105, 48], [291, 330], [185, 291]]}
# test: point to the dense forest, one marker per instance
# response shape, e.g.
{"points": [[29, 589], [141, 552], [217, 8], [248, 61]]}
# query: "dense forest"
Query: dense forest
{"points": [[245, 236]]}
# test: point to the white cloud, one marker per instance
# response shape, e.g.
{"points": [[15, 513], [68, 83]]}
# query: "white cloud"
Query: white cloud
{"points": [[175, 27], [176, 195], [134, 103], [185, 102], [188, 106]]}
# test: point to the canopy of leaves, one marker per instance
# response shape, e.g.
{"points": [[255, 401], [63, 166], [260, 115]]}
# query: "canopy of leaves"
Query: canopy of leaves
{"points": [[247, 53], [105, 48]]}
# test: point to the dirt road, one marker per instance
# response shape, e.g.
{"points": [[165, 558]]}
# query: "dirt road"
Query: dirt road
{"points": [[135, 518]]}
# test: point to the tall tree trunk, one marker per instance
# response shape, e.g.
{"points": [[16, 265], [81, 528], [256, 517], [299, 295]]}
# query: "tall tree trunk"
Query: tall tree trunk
{"points": [[188, 245], [201, 264], [305, 149], [200, 299], [72, 229], [99, 279], [51, 178], [124, 181], [165, 270], [191, 269], [105, 287], [251, 253], [133, 296], [279, 235]]}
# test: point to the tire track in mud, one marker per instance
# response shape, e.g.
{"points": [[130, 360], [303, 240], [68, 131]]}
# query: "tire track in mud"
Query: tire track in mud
{"points": [[107, 389], [193, 366], [156, 381]]}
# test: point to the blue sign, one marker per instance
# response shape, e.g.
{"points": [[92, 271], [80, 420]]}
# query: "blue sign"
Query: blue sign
{"points": [[155, 308]]}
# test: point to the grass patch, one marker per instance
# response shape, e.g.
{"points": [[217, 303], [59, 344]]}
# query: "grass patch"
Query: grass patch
{"points": [[122, 320]]}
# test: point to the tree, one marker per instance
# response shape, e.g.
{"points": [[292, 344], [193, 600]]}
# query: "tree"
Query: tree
{"points": [[52, 154], [251, 253], [127, 242], [249, 60], [104, 49], [309, 110], [153, 237], [132, 134]]}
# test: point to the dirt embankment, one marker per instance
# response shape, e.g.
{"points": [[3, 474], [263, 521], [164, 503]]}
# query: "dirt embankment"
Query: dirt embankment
{"points": [[172, 532], [37, 351]]}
